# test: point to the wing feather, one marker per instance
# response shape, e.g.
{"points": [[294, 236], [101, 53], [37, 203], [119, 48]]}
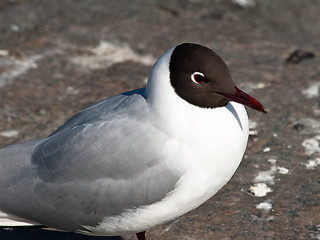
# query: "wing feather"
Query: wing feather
{"points": [[103, 161]]}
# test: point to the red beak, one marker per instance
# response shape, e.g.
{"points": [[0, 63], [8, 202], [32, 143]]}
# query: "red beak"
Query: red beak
{"points": [[243, 98]]}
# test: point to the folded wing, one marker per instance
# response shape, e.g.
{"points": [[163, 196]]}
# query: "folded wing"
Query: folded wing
{"points": [[103, 161]]}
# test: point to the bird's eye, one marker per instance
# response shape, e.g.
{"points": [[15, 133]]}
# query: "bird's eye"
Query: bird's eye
{"points": [[198, 77]]}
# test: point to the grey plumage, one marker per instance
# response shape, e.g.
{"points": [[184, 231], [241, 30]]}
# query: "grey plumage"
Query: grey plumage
{"points": [[86, 157]]}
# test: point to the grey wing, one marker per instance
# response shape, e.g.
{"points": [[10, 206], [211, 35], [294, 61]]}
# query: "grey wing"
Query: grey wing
{"points": [[90, 170]]}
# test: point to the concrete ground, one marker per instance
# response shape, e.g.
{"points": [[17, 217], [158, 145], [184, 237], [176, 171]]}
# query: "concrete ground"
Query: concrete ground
{"points": [[57, 57]]}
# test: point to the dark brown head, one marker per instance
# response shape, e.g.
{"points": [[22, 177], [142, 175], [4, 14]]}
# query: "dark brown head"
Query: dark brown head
{"points": [[200, 77]]}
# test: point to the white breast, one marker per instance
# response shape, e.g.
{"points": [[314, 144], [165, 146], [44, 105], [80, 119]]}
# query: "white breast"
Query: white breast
{"points": [[205, 146], [206, 154]]}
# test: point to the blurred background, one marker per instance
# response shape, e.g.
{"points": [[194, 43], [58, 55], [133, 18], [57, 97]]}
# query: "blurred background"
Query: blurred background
{"points": [[57, 57]]}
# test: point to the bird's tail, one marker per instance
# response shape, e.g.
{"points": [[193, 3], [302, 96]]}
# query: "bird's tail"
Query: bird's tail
{"points": [[9, 221], [12, 160]]}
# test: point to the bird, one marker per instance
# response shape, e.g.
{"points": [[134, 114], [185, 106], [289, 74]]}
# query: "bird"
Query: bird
{"points": [[137, 159]]}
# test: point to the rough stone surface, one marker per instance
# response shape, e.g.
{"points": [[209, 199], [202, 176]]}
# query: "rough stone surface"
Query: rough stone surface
{"points": [[57, 57]]}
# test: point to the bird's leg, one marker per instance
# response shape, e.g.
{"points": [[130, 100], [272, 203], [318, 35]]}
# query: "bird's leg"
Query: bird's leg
{"points": [[141, 235]]}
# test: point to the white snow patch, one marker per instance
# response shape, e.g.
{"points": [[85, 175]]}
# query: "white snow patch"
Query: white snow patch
{"points": [[312, 145], [266, 176], [253, 128], [14, 67], [312, 164], [253, 86], [266, 205], [4, 52], [272, 160], [72, 90], [266, 149], [107, 54], [17, 68], [253, 124], [244, 3], [316, 112], [9, 133], [260, 189], [249, 87], [271, 218], [15, 28], [253, 132], [283, 170], [312, 91]]}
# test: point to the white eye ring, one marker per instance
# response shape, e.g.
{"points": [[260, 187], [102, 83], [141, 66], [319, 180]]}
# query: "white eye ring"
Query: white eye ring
{"points": [[194, 79]]}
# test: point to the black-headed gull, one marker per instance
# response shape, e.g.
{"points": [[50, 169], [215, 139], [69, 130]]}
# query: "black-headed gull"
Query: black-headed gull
{"points": [[135, 160]]}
